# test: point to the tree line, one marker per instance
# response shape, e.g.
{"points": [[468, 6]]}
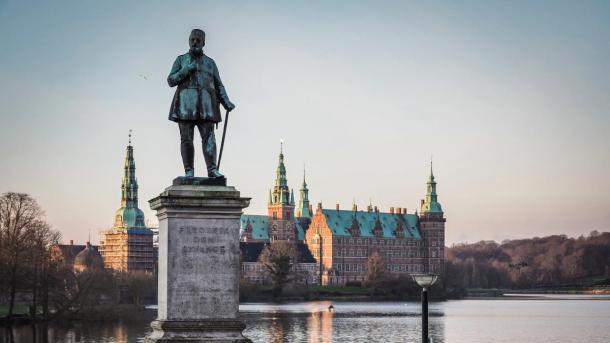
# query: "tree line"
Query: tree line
{"points": [[25, 249], [551, 261], [32, 275], [280, 268]]}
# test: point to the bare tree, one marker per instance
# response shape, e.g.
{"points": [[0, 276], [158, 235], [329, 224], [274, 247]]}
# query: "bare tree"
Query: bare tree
{"points": [[279, 259], [20, 218], [41, 264], [140, 285], [375, 270]]}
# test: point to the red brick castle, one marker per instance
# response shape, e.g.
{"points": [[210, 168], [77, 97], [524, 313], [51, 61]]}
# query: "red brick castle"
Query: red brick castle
{"points": [[338, 243]]}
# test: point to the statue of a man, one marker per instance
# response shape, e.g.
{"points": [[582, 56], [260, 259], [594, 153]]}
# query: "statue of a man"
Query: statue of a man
{"points": [[197, 103]]}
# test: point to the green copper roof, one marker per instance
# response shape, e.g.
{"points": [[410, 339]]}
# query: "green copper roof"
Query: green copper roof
{"points": [[259, 223], [281, 193], [339, 221], [129, 215], [260, 226], [301, 227], [431, 204], [303, 209]]}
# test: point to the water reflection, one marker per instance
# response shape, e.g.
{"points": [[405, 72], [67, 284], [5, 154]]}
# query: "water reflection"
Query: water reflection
{"points": [[123, 331], [472, 321], [348, 322], [320, 326]]}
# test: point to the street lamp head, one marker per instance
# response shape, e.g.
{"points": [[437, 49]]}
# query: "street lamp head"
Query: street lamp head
{"points": [[425, 280]]}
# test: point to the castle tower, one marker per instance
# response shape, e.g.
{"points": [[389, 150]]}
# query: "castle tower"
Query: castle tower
{"points": [[129, 215], [303, 210], [128, 246], [281, 206], [432, 226]]}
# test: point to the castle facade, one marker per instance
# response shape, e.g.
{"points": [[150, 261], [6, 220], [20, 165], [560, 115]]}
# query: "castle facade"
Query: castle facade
{"points": [[341, 242]]}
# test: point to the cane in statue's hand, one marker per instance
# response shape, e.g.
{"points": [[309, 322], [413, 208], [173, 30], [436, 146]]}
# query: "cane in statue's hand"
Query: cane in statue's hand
{"points": [[222, 142]]}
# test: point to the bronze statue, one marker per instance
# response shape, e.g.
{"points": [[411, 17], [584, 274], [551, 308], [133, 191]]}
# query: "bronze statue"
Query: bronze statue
{"points": [[197, 103]]}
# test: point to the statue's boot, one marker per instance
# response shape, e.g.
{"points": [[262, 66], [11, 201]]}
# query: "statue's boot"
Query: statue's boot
{"points": [[209, 155], [189, 173], [215, 174]]}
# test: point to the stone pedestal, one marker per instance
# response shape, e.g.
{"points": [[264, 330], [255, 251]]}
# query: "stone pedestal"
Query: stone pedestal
{"points": [[199, 264]]}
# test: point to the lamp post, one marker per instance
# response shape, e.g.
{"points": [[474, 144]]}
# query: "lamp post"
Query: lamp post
{"points": [[425, 281]]}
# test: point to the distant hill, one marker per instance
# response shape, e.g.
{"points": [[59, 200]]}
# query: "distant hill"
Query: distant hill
{"points": [[553, 261]]}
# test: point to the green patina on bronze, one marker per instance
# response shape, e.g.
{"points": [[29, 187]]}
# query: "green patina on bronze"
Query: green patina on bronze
{"points": [[199, 94]]}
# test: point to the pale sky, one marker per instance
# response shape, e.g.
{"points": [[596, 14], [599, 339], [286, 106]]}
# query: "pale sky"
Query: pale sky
{"points": [[511, 97]]}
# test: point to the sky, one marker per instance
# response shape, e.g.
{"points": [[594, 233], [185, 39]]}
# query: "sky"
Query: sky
{"points": [[510, 97]]}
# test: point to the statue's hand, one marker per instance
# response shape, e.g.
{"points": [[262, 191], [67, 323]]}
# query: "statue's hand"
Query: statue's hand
{"points": [[230, 106], [191, 67]]}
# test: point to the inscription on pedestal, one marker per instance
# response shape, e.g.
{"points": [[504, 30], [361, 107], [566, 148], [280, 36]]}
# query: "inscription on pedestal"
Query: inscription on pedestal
{"points": [[205, 263]]}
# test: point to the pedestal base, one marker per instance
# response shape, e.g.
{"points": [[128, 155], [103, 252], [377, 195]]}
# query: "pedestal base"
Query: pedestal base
{"points": [[198, 284], [199, 181], [200, 331]]}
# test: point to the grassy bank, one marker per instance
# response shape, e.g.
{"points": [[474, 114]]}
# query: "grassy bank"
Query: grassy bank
{"points": [[495, 292], [18, 309], [109, 312], [96, 313], [590, 285]]}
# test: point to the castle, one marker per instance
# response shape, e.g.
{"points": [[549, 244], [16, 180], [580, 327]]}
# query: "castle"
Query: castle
{"points": [[341, 241]]}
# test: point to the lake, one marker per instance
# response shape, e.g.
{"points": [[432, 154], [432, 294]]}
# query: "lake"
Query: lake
{"points": [[564, 319]]}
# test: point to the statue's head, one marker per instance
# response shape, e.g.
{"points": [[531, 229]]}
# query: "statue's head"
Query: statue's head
{"points": [[197, 41]]}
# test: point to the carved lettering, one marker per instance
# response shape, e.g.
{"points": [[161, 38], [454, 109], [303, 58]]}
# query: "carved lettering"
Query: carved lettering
{"points": [[210, 249]]}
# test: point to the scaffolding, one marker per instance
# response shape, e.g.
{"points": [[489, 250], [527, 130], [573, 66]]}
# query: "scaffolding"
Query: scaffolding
{"points": [[128, 250]]}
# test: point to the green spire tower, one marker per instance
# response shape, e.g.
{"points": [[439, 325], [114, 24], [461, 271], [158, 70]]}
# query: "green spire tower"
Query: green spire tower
{"points": [[431, 204], [129, 215], [432, 228], [281, 205], [303, 209], [280, 195], [281, 199]]}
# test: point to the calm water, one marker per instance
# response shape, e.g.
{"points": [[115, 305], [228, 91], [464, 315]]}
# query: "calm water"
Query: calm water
{"points": [[551, 319]]}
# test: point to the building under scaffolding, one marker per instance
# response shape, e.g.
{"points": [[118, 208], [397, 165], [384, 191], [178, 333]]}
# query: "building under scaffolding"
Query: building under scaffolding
{"points": [[128, 246]]}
